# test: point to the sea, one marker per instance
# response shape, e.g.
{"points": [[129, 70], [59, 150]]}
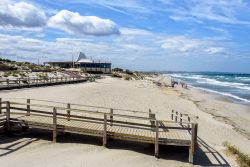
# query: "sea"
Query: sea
{"points": [[234, 86]]}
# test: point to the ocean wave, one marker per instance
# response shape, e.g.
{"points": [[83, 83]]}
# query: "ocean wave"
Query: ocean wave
{"points": [[186, 77], [225, 94], [203, 80], [226, 84], [242, 78]]}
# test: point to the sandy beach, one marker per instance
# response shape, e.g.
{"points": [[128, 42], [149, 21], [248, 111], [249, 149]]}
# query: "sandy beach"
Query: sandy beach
{"points": [[220, 120]]}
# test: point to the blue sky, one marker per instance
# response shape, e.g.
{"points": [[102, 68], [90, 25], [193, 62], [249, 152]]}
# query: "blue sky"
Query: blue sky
{"points": [[187, 35]]}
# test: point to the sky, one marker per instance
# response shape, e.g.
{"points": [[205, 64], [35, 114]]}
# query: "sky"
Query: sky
{"points": [[159, 35]]}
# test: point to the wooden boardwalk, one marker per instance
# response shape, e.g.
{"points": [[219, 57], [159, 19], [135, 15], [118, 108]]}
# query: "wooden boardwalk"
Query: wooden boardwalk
{"points": [[106, 123], [17, 83]]}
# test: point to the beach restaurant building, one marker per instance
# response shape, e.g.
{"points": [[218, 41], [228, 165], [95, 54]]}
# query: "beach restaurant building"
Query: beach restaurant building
{"points": [[84, 64]]}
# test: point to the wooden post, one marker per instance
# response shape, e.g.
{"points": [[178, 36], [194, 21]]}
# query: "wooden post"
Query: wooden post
{"points": [[105, 130], [111, 116], [68, 112], [181, 117], [54, 125], [153, 117], [8, 116], [156, 139], [176, 116], [195, 137], [0, 105], [28, 107], [189, 121], [172, 115], [28, 81], [191, 147], [8, 83], [19, 82]]}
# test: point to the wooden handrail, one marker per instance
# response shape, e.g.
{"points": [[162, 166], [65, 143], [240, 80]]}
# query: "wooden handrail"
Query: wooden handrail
{"points": [[91, 106], [81, 110], [98, 112]]}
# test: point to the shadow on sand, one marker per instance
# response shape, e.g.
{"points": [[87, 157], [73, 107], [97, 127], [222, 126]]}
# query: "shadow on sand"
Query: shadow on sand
{"points": [[205, 155]]}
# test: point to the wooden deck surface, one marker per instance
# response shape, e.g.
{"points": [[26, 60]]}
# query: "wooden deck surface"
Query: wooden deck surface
{"points": [[167, 136]]}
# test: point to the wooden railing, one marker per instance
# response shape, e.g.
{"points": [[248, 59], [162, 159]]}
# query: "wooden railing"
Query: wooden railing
{"points": [[178, 116], [147, 121], [184, 117], [27, 82]]}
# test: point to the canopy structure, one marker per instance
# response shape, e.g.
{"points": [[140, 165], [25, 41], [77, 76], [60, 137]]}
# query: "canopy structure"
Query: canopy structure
{"points": [[82, 58]]}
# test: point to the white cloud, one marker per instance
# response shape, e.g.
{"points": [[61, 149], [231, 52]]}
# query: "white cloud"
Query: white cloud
{"points": [[21, 15], [181, 43], [184, 45], [134, 31], [223, 11], [62, 49], [119, 6], [89, 25], [133, 54], [215, 50]]}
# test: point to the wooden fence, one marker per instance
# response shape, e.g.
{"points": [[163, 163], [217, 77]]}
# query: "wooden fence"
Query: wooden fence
{"points": [[31, 82], [141, 126]]}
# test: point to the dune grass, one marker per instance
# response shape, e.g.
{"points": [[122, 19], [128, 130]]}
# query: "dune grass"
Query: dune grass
{"points": [[242, 159]]}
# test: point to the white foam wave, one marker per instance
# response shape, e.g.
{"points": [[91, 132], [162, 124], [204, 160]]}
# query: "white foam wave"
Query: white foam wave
{"points": [[225, 94], [203, 80], [243, 78], [228, 84], [187, 77]]}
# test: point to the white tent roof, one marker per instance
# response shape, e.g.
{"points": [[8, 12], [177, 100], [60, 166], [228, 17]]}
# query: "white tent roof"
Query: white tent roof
{"points": [[82, 58]]}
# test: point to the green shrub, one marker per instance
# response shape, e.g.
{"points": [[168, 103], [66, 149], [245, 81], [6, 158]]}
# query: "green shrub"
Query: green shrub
{"points": [[116, 75], [242, 159], [127, 77], [129, 72], [117, 70]]}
